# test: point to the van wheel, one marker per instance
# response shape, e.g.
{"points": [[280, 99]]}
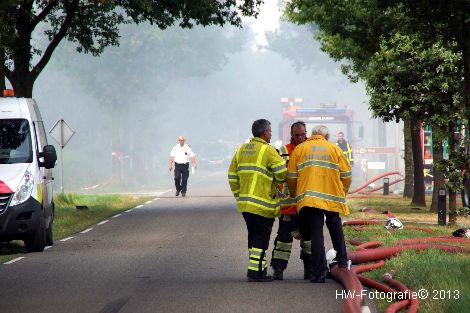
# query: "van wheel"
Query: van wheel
{"points": [[49, 233], [49, 237], [37, 242]]}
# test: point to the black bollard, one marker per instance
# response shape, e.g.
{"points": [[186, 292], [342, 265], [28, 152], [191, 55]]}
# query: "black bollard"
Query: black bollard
{"points": [[441, 207], [386, 186]]}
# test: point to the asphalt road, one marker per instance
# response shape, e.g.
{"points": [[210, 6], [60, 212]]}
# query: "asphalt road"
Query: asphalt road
{"points": [[170, 255]]}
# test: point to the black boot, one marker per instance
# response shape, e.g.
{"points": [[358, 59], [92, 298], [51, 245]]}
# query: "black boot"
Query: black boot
{"points": [[308, 271], [320, 278], [278, 274]]}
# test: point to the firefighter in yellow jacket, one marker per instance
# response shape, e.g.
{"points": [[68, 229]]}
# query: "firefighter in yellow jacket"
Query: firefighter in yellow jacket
{"points": [[320, 176], [254, 172]]}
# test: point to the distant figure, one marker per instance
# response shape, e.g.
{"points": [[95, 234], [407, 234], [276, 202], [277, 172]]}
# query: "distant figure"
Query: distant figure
{"points": [[319, 175], [181, 154], [255, 171], [346, 147], [289, 220]]}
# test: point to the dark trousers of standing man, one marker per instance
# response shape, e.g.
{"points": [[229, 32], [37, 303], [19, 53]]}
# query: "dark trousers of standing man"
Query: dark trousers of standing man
{"points": [[311, 227], [181, 176], [283, 244], [259, 232]]}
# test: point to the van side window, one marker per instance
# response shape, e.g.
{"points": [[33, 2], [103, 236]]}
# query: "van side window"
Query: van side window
{"points": [[15, 141]]}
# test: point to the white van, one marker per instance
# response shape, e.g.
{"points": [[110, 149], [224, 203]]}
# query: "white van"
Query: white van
{"points": [[26, 204]]}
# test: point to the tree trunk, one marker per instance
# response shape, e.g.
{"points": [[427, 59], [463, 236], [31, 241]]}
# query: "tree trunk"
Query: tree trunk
{"points": [[452, 208], [466, 67], [22, 85], [438, 180], [452, 193], [418, 172], [2, 71], [408, 190]]}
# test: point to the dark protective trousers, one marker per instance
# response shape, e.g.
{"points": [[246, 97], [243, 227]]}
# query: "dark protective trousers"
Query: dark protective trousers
{"points": [[259, 232], [181, 176], [283, 243], [311, 227]]}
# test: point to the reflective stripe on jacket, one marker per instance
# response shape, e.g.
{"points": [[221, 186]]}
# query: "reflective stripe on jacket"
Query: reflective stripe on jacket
{"points": [[288, 203], [254, 172], [347, 151], [320, 175]]}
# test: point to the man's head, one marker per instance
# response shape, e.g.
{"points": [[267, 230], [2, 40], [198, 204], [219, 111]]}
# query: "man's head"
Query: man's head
{"points": [[181, 140], [298, 132], [262, 129], [340, 136], [321, 130]]}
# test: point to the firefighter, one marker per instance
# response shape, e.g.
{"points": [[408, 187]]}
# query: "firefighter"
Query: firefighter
{"points": [[346, 147], [255, 171], [320, 176], [288, 222]]}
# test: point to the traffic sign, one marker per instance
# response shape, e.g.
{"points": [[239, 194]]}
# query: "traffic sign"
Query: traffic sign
{"points": [[375, 150], [61, 132]]}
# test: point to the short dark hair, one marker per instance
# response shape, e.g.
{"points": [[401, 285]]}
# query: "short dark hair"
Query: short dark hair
{"points": [[259, 127], [298, 123]]}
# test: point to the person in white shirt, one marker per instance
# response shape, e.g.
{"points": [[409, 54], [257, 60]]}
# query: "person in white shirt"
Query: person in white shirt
{"points": [[180, 155]]}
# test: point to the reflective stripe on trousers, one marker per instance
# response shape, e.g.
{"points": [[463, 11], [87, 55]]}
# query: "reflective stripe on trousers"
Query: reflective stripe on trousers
{"points": [[257, 261]]}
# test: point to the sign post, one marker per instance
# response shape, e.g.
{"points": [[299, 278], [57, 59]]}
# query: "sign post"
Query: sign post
{"points": [[61, 133]]}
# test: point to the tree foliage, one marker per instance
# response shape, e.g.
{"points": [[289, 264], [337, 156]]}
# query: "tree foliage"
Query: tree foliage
{"points": [[92, 25]]}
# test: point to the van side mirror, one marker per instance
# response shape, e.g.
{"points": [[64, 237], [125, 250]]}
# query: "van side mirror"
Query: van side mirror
{"points": [[50, 156]]}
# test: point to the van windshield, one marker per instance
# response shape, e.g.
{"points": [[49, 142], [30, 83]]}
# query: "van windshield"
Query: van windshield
{"points": [[15, 142]]}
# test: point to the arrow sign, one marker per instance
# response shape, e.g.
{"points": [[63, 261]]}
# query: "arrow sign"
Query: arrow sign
{"points": [[61, 132]]}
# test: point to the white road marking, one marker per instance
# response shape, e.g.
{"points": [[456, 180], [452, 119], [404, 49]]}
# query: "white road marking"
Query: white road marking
{"points": [[65, 239], [139, 206], [47, 247], [14, 260], [117, 215], [86, 230], [128, 210], [156, 199], [103, 222], [148, 202]]}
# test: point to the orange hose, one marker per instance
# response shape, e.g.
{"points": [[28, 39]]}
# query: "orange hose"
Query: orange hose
{"points": [[367, 267], [382, 253], [414, 302], [351, 283], [370, 244]]}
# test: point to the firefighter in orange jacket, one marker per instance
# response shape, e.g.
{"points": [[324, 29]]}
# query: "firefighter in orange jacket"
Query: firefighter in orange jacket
{"points": [[320, 176], [288, 222]]}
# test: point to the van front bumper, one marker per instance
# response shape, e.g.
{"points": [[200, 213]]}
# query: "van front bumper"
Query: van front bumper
{"points": [[20, 221]]}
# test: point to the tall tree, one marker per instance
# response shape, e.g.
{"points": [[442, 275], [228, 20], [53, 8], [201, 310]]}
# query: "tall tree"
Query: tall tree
{"points": [[409, 77], [350, 31], [94, 25]]}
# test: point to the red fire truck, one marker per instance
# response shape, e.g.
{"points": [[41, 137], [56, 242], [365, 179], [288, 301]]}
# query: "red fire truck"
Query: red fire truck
{"points": [[336, 119]]}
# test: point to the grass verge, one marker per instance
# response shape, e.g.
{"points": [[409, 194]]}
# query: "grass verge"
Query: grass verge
{"points": [[443, 275], [69, 220]]}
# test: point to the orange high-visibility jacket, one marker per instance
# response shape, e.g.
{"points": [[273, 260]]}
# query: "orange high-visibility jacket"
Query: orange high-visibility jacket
{"points": [[288, 203], [320, 175]]}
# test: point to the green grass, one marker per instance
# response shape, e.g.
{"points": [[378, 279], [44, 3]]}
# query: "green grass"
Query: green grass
{"points": [[398, 205], [69, 220], [430, 270]]}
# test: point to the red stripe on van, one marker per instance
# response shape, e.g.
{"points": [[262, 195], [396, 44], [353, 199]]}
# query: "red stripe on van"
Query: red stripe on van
{"points": [[4, 188]]}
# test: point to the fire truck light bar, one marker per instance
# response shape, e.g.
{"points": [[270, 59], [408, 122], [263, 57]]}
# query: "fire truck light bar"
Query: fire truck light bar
{"points": [[335, 110]]}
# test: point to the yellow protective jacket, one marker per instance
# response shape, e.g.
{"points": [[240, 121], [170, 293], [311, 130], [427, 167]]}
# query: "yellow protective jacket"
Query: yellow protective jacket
{"points": [[254, 172], [347, 151], [288, 203], [320, 175]]}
